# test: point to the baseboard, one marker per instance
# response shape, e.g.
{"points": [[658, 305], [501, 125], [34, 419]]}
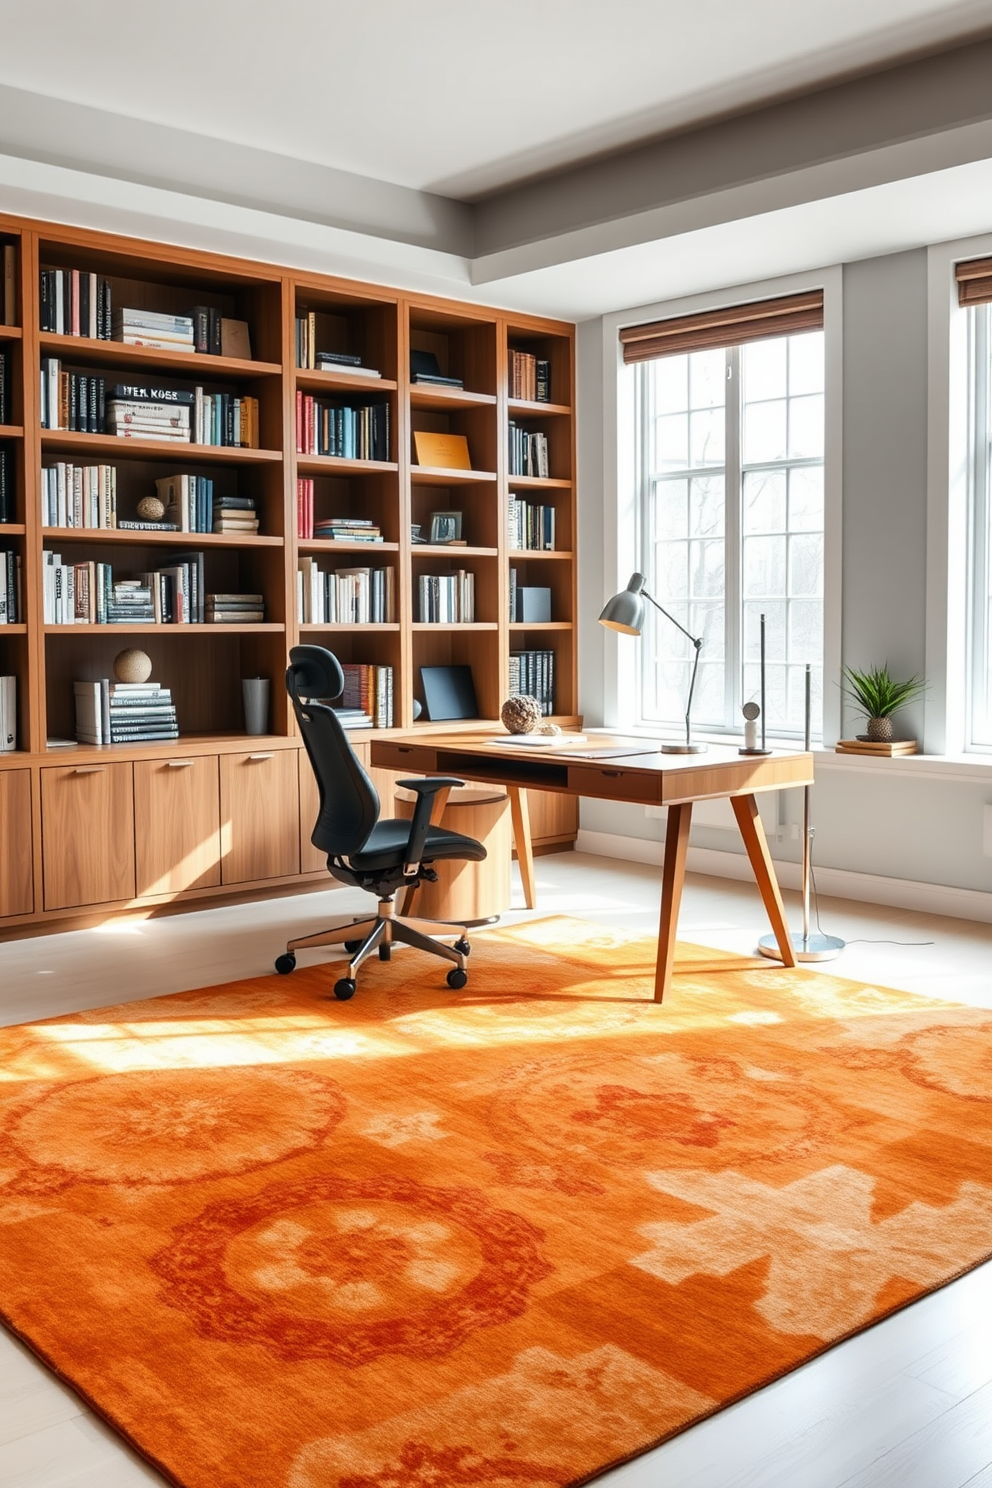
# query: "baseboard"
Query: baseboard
{"points": [[839, 883]]}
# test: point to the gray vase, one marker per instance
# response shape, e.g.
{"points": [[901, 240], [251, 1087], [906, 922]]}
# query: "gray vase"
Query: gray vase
{"points": [[255, 691]]}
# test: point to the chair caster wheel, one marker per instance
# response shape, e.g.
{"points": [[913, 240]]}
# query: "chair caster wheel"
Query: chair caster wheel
{"points": [[344, 989], [285, 964], [463, 946], [385, 952], [351, 946], [457, 978]]}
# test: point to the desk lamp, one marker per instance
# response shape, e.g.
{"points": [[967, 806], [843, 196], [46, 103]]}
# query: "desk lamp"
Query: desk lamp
{"points": [[625, 613]]}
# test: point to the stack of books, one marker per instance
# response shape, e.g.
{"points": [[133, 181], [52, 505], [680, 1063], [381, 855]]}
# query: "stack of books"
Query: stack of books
{"points": [[347, 529], [73, 401], [349, 433], [368, 691], [75, 303], [528, 452], [234, 609], [149, 328], [532, 673], [424, 368], [447, 599], [205, 321], [79, 495], [223, 419], [11, 607], [346, 596], [343, 361], [124, 712], [188, 501], [529, 377], [531, 525], [235, 514], [177, 588], [129, 603], [6, 485], [141, 411]]}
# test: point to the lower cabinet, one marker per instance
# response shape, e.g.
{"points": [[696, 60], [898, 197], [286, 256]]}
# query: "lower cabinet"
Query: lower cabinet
{"points": [[16, 843], [260, 815], [554, 817], [87, 830], [177, 824]]}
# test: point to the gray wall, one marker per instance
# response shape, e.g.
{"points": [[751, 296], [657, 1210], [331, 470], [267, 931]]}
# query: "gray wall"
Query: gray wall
{"points": [[889, 822]]}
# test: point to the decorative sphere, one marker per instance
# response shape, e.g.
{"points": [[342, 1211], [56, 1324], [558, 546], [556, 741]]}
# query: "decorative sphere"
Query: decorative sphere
{"points": [[521, 714], [132, 665], [150, 509]]}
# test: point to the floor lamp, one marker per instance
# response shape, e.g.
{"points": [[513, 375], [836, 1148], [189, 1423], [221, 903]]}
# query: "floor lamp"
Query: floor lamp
{"points": [[815, 946], [625, 613]]}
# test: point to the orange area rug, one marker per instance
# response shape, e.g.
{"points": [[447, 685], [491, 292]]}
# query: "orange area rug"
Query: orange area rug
{"points": [[505, 1237]]}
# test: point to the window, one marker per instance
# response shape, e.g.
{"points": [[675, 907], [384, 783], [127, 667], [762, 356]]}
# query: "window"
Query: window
{"points": [[731, 502], [979, 692]]}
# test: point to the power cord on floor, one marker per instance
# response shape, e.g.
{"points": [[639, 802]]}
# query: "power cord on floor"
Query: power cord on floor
{"points": [[860, 941]]}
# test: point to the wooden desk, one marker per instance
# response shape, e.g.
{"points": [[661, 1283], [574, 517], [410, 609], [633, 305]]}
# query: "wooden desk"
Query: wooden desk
{"points": [[615, 768]]}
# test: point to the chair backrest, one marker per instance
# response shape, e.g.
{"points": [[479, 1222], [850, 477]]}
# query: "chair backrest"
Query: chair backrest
{"points": [[349, 803]]}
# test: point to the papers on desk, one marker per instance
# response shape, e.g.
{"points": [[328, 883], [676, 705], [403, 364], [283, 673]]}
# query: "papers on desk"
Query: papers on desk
{"points": [[539, 741]]}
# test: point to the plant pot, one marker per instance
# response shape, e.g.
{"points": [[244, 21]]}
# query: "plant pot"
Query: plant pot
{"points": [[880, 730]]}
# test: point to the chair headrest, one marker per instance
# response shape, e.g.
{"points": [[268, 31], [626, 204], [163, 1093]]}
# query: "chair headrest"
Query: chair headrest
{"points": [[314, 673]]}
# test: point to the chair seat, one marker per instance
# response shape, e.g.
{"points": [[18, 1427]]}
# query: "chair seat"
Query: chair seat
{"points": [[387, 843]]}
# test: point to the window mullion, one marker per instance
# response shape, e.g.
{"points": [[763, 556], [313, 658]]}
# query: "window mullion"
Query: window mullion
{"points": [[979, 700], [733, 555]]}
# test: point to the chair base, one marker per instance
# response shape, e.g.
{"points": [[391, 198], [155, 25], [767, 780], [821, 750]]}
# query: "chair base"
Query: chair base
{"points": [[384, 929]]}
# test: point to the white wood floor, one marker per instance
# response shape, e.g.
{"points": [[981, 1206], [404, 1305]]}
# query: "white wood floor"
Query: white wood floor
{"points": [[907, 1404]]}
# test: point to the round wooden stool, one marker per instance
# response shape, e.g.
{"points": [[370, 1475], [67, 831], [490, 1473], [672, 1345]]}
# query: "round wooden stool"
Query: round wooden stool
{"points": [[469, 891]]}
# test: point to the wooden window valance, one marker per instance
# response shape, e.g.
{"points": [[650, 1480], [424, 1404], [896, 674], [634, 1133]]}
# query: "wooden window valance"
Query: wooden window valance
{"points": [[731, 326], [974, 281]]}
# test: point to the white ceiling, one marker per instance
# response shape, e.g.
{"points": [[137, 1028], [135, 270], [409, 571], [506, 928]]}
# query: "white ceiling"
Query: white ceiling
{"points": [[456, 96]]}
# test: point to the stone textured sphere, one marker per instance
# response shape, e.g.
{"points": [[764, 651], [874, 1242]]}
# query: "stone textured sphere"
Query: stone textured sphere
{"points": [[521, 714], [150, 509], [132, 665]]}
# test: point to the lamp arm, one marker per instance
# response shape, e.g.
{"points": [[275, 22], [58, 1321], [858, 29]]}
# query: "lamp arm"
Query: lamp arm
{"points": [[696, 641]]}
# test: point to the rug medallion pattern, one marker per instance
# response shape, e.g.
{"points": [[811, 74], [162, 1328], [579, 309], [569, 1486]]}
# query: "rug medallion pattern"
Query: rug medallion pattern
{"points": [[504, 1237]]}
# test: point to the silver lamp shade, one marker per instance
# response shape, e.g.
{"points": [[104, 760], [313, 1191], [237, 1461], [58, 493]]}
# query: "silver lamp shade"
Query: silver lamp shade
{"points": [[625, 611]]}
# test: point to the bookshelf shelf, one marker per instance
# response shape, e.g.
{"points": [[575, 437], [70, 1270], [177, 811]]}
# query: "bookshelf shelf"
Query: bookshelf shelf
{"points": [[312, 381], [173, 450], [522, 625], [436, 475], [263, 627], [291, 317], [442, 399], [131, 537], [337, 465], [200, 366]]}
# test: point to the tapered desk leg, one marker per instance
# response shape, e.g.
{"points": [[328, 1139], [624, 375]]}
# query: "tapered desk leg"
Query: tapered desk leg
{"points": [[672, 879], [521, 841], [753, 833], [407, 896]]}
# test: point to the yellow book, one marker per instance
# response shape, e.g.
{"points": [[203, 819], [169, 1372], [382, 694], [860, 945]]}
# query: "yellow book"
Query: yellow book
{"points": [[443, 451]]}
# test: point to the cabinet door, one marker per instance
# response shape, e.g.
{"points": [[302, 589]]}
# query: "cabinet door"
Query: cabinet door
{"points": [[176, 824], [554, 817], [16, 843], [260, 815], [87, 833], [311, 859]]}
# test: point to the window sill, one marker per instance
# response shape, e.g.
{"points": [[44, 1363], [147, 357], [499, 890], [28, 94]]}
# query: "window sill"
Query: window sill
{"points": [[959, 767]]}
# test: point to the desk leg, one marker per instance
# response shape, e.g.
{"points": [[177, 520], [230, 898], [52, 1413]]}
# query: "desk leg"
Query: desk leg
{"points": [[407, 896], [753, 833], [672, 879], [521, 841]]}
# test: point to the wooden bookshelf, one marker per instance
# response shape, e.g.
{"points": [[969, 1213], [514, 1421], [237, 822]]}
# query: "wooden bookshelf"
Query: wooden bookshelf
{"points": [[136, 788]]}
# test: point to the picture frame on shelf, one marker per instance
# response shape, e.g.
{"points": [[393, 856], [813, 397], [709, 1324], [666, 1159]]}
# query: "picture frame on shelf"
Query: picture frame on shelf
{"points": [[446, 527]]}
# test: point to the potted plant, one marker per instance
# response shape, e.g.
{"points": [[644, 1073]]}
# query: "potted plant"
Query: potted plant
{"points": [[877, 695]]}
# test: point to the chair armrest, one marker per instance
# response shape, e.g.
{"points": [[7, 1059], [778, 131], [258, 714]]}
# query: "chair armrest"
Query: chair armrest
{"points": [[426, 790]]}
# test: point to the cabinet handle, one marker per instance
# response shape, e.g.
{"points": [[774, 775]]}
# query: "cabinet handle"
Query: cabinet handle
{"points": [[613, 774], [89, 770], [256, 757], [404, 749], [179, 764]]}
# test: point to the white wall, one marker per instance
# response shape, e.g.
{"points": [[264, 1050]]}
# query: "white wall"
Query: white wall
{"points": [[914, 821]]}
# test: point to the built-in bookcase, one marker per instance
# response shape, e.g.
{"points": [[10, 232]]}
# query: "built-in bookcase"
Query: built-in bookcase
{"points": [[290, 319]]}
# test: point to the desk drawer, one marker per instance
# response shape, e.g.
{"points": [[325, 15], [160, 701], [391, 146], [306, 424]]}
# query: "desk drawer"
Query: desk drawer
{"points": [[413, 757], [611, 783]]}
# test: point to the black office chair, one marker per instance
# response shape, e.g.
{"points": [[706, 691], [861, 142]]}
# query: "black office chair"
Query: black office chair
{"points": [[381, 856]]}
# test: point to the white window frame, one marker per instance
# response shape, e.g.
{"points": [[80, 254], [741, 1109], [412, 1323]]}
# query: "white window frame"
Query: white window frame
{"points": [[621, 503]]}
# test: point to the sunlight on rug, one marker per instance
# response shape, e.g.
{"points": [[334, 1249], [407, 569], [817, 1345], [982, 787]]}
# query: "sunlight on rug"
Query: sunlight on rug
{"points": [[509, 1236]]}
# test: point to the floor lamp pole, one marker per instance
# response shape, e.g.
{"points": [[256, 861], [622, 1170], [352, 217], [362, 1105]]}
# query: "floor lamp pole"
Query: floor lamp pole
{"points": [[810, 946]]}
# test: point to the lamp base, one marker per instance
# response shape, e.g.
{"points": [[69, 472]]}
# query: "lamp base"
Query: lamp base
{"points": [[754, 751], [807, 947], [684, 748]]}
